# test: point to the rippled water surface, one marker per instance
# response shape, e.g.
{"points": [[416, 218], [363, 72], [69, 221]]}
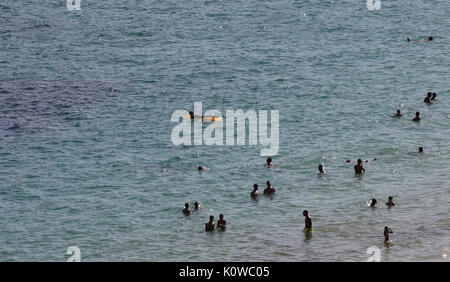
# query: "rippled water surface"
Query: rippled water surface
{"points": [[86, 157]]}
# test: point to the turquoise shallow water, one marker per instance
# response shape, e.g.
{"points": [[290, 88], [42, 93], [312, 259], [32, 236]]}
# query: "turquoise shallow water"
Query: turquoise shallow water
{"points": [[85, 152]]}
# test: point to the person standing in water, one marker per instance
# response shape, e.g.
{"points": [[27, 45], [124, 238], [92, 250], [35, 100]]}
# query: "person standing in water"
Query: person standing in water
{"points": [[186, 210], [417, 118], [209, 226], [428, 98], [321, 170], [434, 98], [308, 221], [269, 163], [269, 189], [387, 230], [196, 206], [359, 168], [390, 203], [254, 193], [222, 223]]}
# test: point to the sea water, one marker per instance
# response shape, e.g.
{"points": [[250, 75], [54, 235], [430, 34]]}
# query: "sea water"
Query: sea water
{"points": [[86, 158]]}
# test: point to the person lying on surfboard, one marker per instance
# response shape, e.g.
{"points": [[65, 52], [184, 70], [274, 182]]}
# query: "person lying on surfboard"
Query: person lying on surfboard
{"points": [[202, 117]]}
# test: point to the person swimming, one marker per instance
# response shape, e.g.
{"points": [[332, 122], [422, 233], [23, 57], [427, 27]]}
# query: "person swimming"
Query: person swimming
{"points": [[390, 203], [308, 221], [421, 150], [186, 210], [209, 226], [269, 163], [270, 189], [321, 170], [202, 168], [196, 206], [359, 168], [398, 114], [434, 98], [417, 118], [373, 203], [387, 230], [222, 223], [254, 194]]}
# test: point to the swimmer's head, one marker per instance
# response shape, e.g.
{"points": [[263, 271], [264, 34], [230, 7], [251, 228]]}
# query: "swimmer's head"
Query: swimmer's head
{"points": [[374, 201], [390, 198], [429, 94], [211, 218], [359, 161], [221, 216], [417, 114], [398, 111], [191, 114], [420, 149], [430, 38], [348, 161], [186, 205], [196, 205], [269, 160], [305, 212], [268, 183], [200, 168], [255, 187], [434, 94]]}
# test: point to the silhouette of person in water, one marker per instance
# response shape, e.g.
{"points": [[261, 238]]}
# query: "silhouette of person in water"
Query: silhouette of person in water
{"points": [[186, 210], [398, 114], [308, 221], [387, 230], [269, 162], [321, 170], [209, 226], [222, 223], [434, 98], [254, 193], [269, 189], [417, 118], [390, 203], [373, 203], [359, 168]]}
